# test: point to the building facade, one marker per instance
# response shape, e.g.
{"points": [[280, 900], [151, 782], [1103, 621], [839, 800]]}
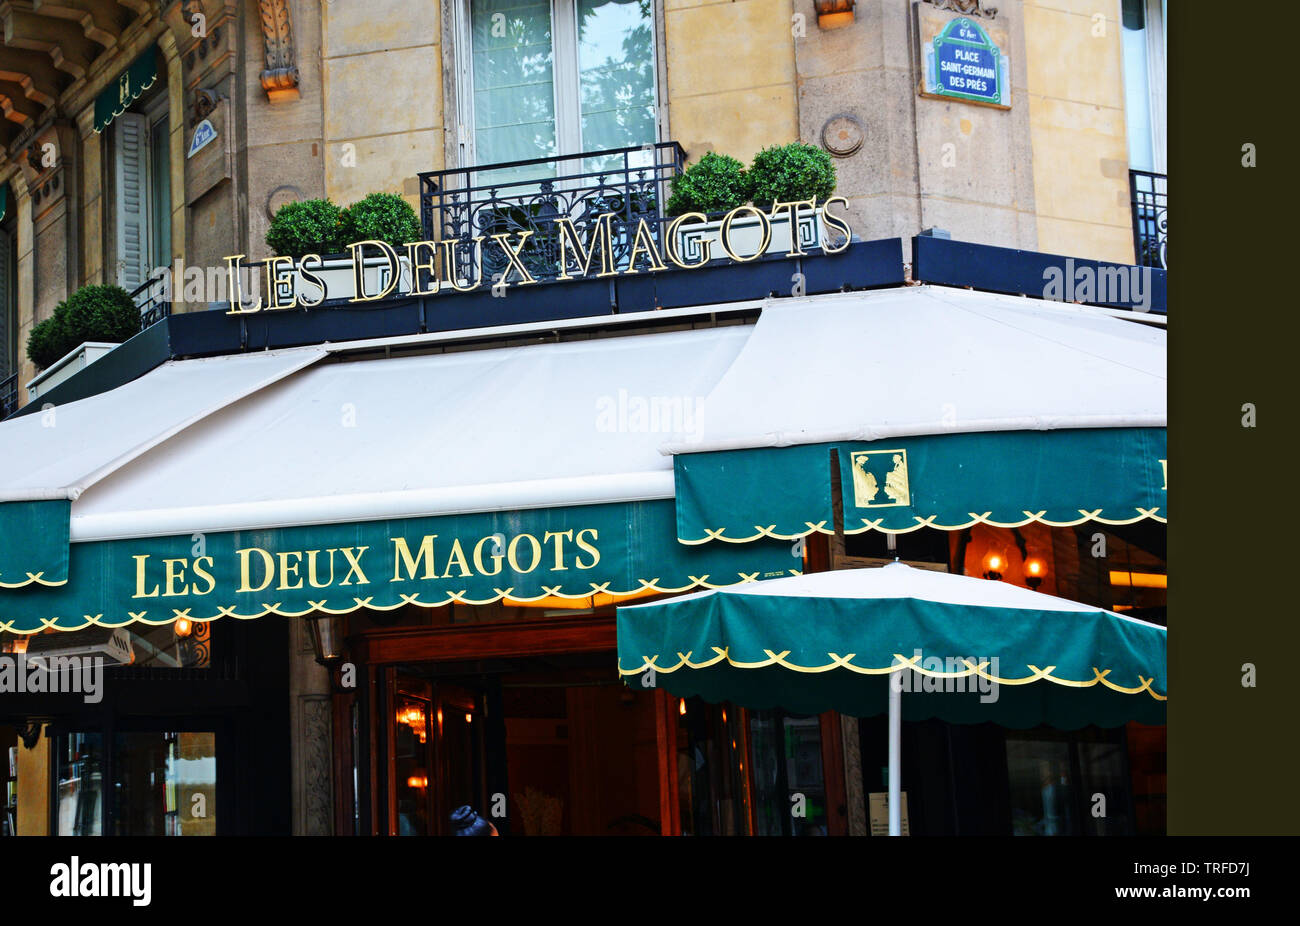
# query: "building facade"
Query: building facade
{"points": [[141, 135]]}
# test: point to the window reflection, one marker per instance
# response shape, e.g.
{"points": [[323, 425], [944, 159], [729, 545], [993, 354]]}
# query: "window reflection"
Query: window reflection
{"points": [[165, 784], [80, 796], [789, 781], [181, 644]]}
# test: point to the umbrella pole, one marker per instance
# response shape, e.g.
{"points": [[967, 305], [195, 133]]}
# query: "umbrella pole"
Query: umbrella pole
{"points": [[895, 751]]}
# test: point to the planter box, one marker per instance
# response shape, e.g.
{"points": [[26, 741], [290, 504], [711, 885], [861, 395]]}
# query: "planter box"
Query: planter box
{"points": [[747, 234], [67, 366]]}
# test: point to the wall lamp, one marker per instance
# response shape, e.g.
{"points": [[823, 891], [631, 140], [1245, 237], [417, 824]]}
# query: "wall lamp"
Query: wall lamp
{"points": [[833, 14]]}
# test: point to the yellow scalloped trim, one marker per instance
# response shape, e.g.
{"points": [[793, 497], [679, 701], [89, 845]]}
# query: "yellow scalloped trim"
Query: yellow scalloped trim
{"points": [[818, 527], [457, 597], [1031, 517], [127, 105], [33, 577], [722, 654]]}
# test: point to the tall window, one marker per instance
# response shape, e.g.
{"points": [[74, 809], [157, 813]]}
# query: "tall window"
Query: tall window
{"points": [[1142, 33], [555, 77], [142, 181], [9, 354]]}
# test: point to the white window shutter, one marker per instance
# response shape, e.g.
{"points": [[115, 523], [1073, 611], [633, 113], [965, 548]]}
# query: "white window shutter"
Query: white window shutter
{"points": [[8, 315], [130, 174]]}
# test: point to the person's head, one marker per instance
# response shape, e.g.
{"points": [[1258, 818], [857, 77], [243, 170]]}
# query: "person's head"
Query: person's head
{"points": [[465, 822]]}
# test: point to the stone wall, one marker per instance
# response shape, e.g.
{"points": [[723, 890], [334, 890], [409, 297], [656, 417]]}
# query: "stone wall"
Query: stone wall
{"points": [[382, 96], [731, 75], [1076, 115]]}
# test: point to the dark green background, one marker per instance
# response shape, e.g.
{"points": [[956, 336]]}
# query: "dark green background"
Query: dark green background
{"points": [[1232, 339]]}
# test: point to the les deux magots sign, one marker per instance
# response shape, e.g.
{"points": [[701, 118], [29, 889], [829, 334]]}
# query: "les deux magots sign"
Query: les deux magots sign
{"points": [[426, 256]]}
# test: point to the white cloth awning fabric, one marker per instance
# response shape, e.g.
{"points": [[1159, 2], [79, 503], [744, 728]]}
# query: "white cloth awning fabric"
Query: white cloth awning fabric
{"points": [[931, 360], [290, 437], [58, 453], [524, 427]]}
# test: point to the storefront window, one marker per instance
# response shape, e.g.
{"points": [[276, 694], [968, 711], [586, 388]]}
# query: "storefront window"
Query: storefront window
{"points": [[163, 784], [712, 787], [1042, 801], [789, 781], [80, 792], [1069, 784]]}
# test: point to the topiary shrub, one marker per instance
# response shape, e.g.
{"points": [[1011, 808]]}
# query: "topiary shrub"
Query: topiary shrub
{"points": [[45, 342], [715, 183], [381, 217], [92, 313], [312, 226], [790, 173]]}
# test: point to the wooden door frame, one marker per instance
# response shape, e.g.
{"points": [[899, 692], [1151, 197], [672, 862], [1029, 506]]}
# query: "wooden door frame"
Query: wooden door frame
{"points": [[379, 651], [670, 821]]}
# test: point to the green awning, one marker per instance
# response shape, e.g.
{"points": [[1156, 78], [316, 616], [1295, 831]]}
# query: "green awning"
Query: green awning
{"points": [[946, 481], [138, 77], [573, 553], [975, 650], [34, 543], [4, 201]]}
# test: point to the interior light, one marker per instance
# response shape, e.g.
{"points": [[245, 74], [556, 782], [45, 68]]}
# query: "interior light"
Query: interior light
{"points": [[1139, 579]]}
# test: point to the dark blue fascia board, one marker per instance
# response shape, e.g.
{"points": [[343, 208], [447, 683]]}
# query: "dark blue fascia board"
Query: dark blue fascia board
{"points": [[1029, 273], [863, 265]]}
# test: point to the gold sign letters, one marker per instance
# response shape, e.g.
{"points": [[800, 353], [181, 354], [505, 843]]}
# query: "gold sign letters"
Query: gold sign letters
{"points": [[433, 263]]}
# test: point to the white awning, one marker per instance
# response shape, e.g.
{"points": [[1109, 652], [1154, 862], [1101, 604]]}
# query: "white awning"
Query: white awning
{"points": [[59, 452], [561, 424], [921, 360]]}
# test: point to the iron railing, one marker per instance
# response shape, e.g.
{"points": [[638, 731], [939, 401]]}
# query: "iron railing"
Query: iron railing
{"points": [[151, 298], [518, 196], [1149, 201], [9, 395]]}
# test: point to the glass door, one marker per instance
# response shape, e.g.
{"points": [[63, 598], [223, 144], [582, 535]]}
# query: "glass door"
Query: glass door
{"points": [[459, 723], [437, 756]]}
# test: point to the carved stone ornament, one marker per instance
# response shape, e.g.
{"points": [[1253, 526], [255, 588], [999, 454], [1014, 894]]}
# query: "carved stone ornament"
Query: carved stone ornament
{"points": [[966, 7], [205, 101], [280, 78], [842, 135]]}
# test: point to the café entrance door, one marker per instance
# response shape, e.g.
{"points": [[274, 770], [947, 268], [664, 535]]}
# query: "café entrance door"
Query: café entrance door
{"points": [[553, 745]]}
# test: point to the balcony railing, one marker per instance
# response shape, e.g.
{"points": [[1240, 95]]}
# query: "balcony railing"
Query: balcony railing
{"points": [[8, 395], [519, 196], [150, 297], [1149, 200]]}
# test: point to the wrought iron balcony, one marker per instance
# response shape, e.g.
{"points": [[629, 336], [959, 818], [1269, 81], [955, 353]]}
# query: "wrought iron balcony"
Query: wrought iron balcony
{"points": [[1149, 200], [518, 196], [150, 297], [8, 395]]}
